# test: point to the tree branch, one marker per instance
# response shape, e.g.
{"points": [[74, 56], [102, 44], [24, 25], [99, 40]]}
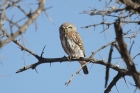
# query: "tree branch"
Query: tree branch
{"points": [[107, 67], [32, 17], [66, 59], [125, 53], [120, 74], [134, 7]]}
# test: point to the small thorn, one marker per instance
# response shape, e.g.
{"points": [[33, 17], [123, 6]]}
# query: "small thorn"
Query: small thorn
{"points": [[69, 58], [64, 56], [50, 64], [36, 70]]}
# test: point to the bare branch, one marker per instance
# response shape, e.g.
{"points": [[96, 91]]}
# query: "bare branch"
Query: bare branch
{"points": [[23, 28], [21, 46], [93, 53], [115, 80], [77, 72], [134, 7], [125, 53], [65, 59], [136, 55], [107, 67]]}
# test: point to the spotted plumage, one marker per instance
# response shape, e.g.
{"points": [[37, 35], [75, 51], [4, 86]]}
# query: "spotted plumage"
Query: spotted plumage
{"points": [[72, 43]]}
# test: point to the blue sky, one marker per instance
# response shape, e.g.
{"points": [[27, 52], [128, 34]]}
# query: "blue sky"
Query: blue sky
{"points": [[51, 79]]}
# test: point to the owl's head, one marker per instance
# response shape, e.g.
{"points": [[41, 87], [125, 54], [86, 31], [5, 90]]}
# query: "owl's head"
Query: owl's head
{"points": [[67, 27]]}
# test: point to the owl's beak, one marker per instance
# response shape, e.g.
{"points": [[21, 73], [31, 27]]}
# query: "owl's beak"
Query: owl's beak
{"points": [[65, 30]]}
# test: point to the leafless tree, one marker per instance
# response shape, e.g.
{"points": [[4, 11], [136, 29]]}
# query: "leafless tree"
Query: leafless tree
{"points": [[121, 10]]}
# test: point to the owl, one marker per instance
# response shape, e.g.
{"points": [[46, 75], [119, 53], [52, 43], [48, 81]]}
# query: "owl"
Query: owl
{"points": [[72, 43]]}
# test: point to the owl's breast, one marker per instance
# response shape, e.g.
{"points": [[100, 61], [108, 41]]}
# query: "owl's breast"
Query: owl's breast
{"points": [[71, 48]]}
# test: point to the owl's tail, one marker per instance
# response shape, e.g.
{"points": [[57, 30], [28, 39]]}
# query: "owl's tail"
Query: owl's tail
{"points": [[85, 69]]}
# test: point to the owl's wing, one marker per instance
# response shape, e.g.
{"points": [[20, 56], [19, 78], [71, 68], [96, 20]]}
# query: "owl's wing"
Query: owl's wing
{"points": [[78, 40], [62, 42]]}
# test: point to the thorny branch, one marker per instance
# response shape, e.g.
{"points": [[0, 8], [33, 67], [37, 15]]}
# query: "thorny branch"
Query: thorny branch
{"points": [[136, 55], [65, 59], [73, 75], [107, 67], [125, 53], [42, 60], [131, 6], [124, 12], [108, 24], [120, 74], [22, 29]]}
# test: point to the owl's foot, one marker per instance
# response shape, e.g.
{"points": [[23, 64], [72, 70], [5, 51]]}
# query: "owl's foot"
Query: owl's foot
{"points": [[70, 57]]}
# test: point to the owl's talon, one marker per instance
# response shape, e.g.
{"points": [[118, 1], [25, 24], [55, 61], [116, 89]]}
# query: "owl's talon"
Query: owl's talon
{"points": [[82, 57], [69, 58]]}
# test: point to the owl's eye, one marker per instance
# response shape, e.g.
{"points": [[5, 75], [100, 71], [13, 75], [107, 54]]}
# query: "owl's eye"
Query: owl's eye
{"points": [[70, 27]]}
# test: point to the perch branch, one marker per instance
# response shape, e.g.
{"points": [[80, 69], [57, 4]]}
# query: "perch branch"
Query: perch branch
{"points": [[66, 59]]}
